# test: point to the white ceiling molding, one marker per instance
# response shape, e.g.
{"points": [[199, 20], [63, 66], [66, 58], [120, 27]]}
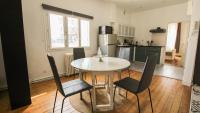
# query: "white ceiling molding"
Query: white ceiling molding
{"points": [[141, 5]]}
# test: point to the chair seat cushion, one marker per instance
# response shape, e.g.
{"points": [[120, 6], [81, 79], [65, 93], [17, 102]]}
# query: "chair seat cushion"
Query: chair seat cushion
{"points": [[128, 84], [75, 86]]}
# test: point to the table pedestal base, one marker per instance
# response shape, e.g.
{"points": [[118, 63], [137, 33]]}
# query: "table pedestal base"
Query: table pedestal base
{"points": [[109, 88]]}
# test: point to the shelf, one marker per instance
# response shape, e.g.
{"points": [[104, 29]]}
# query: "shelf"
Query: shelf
{"points": [[126, 36], [126, 31]]}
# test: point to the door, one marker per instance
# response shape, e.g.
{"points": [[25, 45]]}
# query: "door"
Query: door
{"points": [[140, 54]]}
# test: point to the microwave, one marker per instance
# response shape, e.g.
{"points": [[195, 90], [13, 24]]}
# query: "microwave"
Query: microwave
{"points": [[105, 30]]}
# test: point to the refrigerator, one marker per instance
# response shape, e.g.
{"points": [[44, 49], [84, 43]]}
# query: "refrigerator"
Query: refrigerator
{"points": [[108, 44]]}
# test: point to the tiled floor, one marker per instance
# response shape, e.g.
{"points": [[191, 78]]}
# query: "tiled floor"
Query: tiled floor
{"points": [[166, 70]]}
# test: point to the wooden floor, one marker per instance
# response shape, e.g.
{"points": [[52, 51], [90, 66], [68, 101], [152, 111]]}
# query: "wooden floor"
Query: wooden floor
{"points": [[168, 96]]}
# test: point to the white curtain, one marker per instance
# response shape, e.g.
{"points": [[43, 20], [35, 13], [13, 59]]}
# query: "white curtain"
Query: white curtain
{"points": [[171, 36]]}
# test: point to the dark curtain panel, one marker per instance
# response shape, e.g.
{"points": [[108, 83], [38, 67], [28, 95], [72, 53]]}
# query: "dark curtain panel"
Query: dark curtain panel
{"points": [[14, 53], [196, 78], [178, 38]]}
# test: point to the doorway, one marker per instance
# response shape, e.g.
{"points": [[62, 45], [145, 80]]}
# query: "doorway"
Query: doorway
{"points": [[177, 36]]}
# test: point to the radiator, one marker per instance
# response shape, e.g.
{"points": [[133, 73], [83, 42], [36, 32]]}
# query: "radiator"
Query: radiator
{"points": [[69, 70]]}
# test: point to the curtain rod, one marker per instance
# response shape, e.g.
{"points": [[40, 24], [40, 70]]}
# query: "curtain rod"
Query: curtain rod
{"points": [[57, 9]]}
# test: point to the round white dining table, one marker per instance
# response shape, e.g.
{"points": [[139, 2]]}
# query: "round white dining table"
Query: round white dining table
{"points": [[107, 68]]}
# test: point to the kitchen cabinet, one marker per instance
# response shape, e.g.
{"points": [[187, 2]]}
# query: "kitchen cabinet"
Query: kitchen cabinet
{"points": [[126, 31], [138, 53], [142, 52], [153, 51]]}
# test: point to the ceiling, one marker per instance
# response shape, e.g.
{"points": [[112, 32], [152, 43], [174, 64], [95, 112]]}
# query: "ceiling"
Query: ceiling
{"points": [[141, 5]]}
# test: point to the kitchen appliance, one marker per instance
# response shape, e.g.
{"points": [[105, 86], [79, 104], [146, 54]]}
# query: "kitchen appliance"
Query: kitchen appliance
{"points": [[107, 44], [158, 30], [105, 30]]}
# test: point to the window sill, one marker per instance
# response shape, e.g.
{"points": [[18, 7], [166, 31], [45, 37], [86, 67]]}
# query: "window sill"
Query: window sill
{"points": [[65, 49]]}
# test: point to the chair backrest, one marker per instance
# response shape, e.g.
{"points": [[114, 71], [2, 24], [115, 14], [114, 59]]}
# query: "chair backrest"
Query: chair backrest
{"points": [[147, 74], [78, 53], [55, 74]]}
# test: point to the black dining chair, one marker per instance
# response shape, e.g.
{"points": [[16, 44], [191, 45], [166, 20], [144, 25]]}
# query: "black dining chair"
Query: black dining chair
{"points": [[79, 53], [135, 86], [69, 88]]}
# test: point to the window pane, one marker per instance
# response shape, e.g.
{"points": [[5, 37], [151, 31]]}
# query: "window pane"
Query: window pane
{"points": [[57, 31], [85, 31], [73, 34]]}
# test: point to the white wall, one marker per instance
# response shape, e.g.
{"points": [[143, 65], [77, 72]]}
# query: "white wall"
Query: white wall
{"points": [[192, 45], [185, 29], [35, 28], [161, 17], [3, 83]]}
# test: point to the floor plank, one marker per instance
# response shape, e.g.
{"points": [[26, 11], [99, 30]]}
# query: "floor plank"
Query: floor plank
{"points": [[168, 96]]}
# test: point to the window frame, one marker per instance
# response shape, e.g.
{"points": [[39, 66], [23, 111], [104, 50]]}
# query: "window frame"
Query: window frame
{"points": [[65, 26]]}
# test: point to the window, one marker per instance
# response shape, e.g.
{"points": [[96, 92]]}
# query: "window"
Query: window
{"points": [[73, 32], [57, 31], [85, 30], [77, 31]]}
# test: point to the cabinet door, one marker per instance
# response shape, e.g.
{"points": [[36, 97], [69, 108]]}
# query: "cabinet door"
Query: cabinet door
{"points": [[132, 32], [140, 54], [123, 30], [153, 51], [120, 30]]}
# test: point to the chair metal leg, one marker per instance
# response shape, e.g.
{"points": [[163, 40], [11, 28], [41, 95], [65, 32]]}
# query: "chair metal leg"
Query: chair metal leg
{"points": [[126, 94], [138, 103], [74, 76], [129, 75], [150, 99], [81, 96], [95, 79], [55, 100], [91, 101], [85, 74], [114, 94], [62, 104]]}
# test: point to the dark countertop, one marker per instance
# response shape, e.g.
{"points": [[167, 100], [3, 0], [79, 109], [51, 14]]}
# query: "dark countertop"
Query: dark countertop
{"points": [[138, 46]]}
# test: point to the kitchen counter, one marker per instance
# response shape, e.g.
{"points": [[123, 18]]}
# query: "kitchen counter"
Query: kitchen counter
{"points": [[140, 52], [138, 46]]}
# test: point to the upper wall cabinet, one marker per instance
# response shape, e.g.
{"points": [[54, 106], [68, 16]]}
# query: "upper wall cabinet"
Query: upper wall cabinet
{"points": [[126, 31]]}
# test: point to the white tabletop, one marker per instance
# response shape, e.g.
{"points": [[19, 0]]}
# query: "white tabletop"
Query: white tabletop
{"points": [[93, 64]]}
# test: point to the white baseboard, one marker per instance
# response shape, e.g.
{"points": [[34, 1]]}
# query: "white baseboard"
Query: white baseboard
{"points": [[42, 79], [3, 88], [45, 78], [186, 83], [36, 80]]}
